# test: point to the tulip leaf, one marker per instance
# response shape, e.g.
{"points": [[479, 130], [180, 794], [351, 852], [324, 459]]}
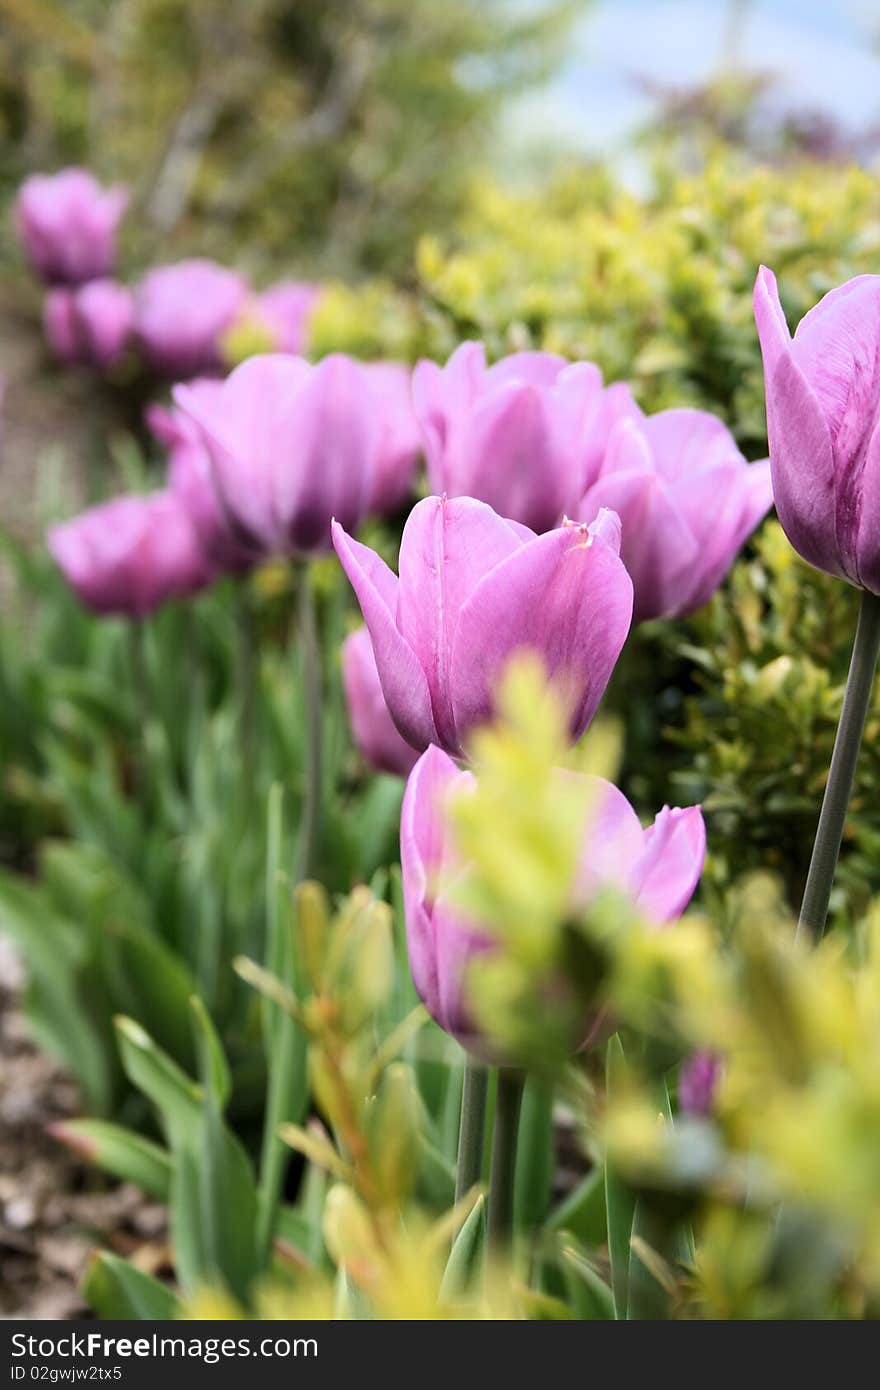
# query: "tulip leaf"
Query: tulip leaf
{"points": [[119, 1151], [583, 1211], [589, 1294], [116, 1289], [619, 1199], [175, 1096], [213, 1066], [466, 1254], [227, 1205], [535, 1155]]}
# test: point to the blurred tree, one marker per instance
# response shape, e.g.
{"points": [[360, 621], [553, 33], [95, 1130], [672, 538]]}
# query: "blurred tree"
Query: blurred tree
{"points": [[341, 129]]}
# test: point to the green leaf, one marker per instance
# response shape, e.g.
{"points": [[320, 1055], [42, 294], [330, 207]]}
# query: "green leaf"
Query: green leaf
{"points": [[466, 1254], [116, 1289], [175, 1096], [590, 1296], [583, 1211], [619, 1199], [213, 1066], [118, 1151], [534, 1155], [153, 985], [227, 1206]]}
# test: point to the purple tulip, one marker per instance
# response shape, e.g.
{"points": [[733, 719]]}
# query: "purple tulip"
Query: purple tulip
{"points": [[90, 325], [131, 554], [372, 725], [290, 448], [182, 312], [67, 225], [823, 413], [397, 442], [475, 588], [657, 868], [286, 308], [190, 479], [698, 1083], [523, 435], [687, 501]]}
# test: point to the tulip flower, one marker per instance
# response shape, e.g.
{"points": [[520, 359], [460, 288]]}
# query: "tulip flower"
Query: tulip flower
{"points": [[473, 589], [90, 325], [687, 501], [397, 442], [823, 422], [190, 479], [290, 448], [130, 555], [658, 868], [372, 725], [67, 225], [823, 411], [182, 312], [524, 435]]}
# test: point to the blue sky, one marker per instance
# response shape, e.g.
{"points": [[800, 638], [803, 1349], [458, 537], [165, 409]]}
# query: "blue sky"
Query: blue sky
{"points": [[820, 49]]}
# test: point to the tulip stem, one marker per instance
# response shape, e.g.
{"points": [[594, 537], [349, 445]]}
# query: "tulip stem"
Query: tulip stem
{"points": [[140, 682], [503, 1172], [249, 677], [838, 789], [310, 669], [471, 1133]]}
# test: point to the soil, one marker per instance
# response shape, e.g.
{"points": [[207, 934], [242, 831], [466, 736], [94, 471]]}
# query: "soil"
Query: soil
{"points": [[54, 1210]]}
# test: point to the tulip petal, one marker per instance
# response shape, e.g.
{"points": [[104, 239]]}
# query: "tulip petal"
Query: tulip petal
{"points": [[674, 851], [773, 332], [613, 840], [567, 596], [721, 505], [403, 680], [447, 547], [802, 468], [868, 541], [515, 467]]}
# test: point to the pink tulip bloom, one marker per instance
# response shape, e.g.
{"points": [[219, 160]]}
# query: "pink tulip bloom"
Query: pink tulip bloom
{"points": [[286, 309], [524, 435], [823, 421], [657, 868], [89, 325], [290, 447], [190, 480], [397, 443], [67, 225], [182, 312], [473, 589], [130, 555], [60, 327], [687, 501], [372, 725]]}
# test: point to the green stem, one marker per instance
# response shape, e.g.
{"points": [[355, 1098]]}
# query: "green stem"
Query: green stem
{"points": [[248, 675], [503, 1171], [140, 685], [473, 1127], [838, 789], [310, 667]]}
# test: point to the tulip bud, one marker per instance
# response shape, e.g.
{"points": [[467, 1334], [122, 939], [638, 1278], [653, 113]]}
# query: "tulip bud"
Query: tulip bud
{"points": [[393, 1130]]}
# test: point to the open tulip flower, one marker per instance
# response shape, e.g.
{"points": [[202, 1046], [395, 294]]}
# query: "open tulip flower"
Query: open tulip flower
{"points": [[397, 441], [190, 479], [182, 312], [67, 225], [89, 325], [473, 589], [373, 728], [823, 422], [525, 435], [687, 501], [658, 868], [130, 555]]}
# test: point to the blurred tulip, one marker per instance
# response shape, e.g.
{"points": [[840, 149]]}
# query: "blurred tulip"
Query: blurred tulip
{"points": [[190, 479], [698, 1084], [182, 312], [657, 868], [372, 725], [90, 325], [823, 421], [67, 225], [290, 448], [286, 309], [397, 442], [473, 589], [524, 435], [130, 555], [687, 500]]}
